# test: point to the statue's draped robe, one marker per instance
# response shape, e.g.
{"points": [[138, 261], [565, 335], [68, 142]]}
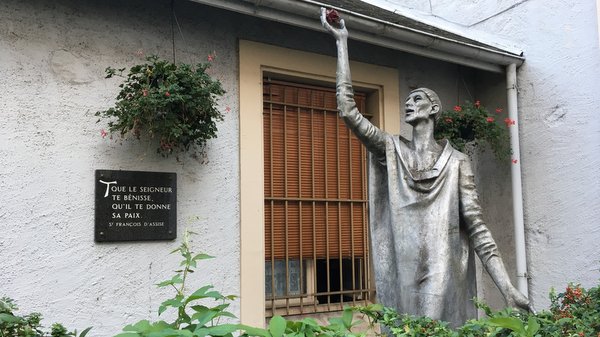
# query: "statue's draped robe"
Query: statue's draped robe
{"points": [[424, 225]]}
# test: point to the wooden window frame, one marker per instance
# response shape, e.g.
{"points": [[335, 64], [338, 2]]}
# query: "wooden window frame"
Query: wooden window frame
{"points": [[257, 60]]}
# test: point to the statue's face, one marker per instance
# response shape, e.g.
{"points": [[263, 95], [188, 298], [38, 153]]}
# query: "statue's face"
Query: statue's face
{"points": [[419, 108]]}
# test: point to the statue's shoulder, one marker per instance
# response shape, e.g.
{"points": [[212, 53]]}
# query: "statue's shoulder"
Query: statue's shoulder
{"points": [[400, 143], [457, 155]]}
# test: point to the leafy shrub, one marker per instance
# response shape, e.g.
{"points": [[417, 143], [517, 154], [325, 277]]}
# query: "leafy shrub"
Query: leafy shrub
{"points": [[199, 314], [29, 325], [573, 313], [176, 103], [195, 317]]}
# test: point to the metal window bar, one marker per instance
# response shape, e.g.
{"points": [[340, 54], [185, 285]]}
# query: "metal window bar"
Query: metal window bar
{"points": [[359, 282]]}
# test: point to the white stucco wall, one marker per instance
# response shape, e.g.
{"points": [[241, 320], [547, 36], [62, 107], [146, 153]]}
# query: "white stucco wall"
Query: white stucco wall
{"points": [[52, 61], [559, 127]]}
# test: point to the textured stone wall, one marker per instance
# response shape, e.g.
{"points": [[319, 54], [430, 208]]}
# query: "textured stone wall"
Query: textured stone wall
{"points": [[52, 60]]}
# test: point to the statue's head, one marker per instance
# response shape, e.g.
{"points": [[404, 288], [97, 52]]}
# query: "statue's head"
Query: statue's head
{"points": [[422, 103]]}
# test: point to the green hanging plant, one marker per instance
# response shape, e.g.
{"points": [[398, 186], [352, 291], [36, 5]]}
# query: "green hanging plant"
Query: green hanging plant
{"points": [[174, 103], [472, 123]]}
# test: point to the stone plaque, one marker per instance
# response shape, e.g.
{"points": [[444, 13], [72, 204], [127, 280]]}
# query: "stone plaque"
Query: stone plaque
{"points": [[135, 205]]}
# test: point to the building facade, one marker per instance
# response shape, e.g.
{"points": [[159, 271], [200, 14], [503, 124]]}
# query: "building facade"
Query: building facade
{"points": [[53, 56]]}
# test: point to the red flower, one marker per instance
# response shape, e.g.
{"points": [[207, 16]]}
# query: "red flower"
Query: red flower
{"points": [[212, 56], [477, 104], [448, 120], [509, 121], [514, 161], [581, 334], [457, 108], [103, 133], [498, 110], [490, 119], [168, 94], [145, 92], [332, 16]]}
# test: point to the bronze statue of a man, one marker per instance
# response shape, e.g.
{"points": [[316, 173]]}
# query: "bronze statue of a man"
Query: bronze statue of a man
{"points": [[424, 210]]}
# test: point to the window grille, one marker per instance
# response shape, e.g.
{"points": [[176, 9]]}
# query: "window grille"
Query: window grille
{"points": [[316, 234]]}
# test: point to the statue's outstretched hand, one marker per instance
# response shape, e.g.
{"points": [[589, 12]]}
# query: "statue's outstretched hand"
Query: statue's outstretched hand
{"points": [[515, 299], [338, 32]]}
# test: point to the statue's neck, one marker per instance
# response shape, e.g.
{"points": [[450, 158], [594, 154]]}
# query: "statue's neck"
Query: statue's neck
{"points": [[423, 151], [423, 139]]}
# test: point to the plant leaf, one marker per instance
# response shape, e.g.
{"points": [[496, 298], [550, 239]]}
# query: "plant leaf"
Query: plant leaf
{"points": [[511, 323], [277, 326], [202, 257], [85, 332], [254, 331], [347, 316], [204, 317], [223, 329], [532, 326], [141, 326], [174, 280], [128, 334], [8, 318]]}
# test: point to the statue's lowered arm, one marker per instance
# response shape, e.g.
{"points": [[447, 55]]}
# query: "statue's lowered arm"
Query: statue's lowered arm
{"points": [[482, 241], [371, 136]]}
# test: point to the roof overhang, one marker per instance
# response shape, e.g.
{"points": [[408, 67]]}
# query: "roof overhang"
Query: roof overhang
{"points": [[364, 28]]}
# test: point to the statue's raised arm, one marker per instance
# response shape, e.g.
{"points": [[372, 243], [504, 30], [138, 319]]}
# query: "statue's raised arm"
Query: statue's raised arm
{"points": [[372, 137]]}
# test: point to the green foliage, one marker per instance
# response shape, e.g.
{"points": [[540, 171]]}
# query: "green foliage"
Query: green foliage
{"points": [[29, 325], [573, 313], [198, 314], [176, 103], [308, 327], [472, 122], [403, 325]]}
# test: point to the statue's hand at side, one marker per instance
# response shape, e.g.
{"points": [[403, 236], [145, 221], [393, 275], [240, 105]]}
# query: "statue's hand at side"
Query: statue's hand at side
{"points": [[515, 299], [338, 32]]}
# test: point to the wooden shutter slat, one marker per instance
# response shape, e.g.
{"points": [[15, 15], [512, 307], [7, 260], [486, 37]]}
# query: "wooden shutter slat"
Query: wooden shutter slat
{"points": [[297, 138]]}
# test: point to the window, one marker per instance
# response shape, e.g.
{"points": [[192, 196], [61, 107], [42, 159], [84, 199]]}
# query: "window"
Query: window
{"points": [[256, 60], [315, 188]]}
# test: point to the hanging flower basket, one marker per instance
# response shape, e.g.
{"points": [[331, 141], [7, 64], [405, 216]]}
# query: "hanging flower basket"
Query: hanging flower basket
{"points": [[173, 103], [472, 123]]}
